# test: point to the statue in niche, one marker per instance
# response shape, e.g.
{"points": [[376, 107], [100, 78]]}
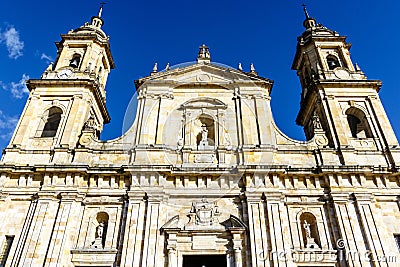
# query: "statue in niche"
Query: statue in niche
{"points": [[204, 133], [307, 229], [179, 143], [100, 236], [90, 124], [316, 121], [203, 144], [100, 230], [310, 241]]}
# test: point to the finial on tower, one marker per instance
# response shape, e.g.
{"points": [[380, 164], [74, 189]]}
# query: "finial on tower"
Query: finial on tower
{"points": [[101, 8], [308, 22], [204, 54], [305, 11], [155, 68], [97, 21]]}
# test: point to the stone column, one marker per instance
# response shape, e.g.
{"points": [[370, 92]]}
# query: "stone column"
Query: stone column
{"points": [[133, 237]]}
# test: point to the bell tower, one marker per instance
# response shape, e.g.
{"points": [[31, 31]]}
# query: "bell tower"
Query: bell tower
{"points": [[69, 95], [337, 93]]}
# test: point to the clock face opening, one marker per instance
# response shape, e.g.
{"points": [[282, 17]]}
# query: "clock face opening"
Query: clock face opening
{"points": [[64, 73]]}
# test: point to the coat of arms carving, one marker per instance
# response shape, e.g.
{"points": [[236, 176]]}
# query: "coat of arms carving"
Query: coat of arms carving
{"points": [[203, 214]]}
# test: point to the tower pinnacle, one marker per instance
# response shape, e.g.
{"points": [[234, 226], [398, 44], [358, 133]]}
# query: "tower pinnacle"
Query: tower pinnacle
{"points": [[305, 11], [308, 22], [101, 8], [97, 21]]}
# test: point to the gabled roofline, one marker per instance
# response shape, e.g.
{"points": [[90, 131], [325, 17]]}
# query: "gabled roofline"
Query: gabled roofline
{"points": [[158, 75]]}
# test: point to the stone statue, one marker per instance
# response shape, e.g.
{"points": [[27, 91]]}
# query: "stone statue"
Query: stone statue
{"points": [[155, 68], [100, 230], [204, 52], [307, 229], [90, 124], [310, 241], [99, 236], [179, 142], [316, 122], [204, 133], [89, 67]]}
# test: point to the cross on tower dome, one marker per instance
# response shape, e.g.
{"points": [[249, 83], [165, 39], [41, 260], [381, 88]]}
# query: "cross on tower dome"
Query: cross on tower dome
{"points": [[97, 21], [308, 22]]}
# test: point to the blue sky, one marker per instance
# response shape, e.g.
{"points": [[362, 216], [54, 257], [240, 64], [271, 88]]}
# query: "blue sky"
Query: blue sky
{"points": [[144, 32]]}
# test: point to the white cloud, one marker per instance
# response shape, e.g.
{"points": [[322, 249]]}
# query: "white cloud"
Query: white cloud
{"points": [[47, 58], [10, 38], [17, 89], [7, 125]]}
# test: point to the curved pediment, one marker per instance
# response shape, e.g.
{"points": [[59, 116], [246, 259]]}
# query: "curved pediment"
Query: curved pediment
{"points": [[204, 102]]}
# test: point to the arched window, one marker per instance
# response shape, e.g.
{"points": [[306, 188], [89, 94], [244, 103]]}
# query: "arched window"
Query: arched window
{"points": [[76, 59], [206, 136], [333, 62], [101, 230], [50, 122], [309, 230], [358, 123]]}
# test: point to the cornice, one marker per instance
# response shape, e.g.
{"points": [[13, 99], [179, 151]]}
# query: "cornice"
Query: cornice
{"points": [[65, 83]]}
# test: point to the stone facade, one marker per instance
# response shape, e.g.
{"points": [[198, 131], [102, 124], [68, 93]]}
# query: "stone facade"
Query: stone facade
{"points": [[203, 176]]}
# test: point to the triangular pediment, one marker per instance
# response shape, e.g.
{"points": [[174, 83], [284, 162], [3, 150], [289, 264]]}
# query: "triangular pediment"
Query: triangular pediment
{"points": [[200, 73]]}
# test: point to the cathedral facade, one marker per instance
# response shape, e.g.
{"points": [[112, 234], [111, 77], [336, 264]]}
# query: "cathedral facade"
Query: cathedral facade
{"points": [[203, 177]]}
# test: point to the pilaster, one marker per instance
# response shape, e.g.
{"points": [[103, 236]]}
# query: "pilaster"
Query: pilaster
{"points": [[352, 243], [135, 216], [64, 231], [153, 247], [373, 235], [279, 230], [257, 220], [40, 230]]}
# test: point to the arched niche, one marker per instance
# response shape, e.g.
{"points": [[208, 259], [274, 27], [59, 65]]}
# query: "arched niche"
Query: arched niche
{"points": [[203, 123], [309, 230]]}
